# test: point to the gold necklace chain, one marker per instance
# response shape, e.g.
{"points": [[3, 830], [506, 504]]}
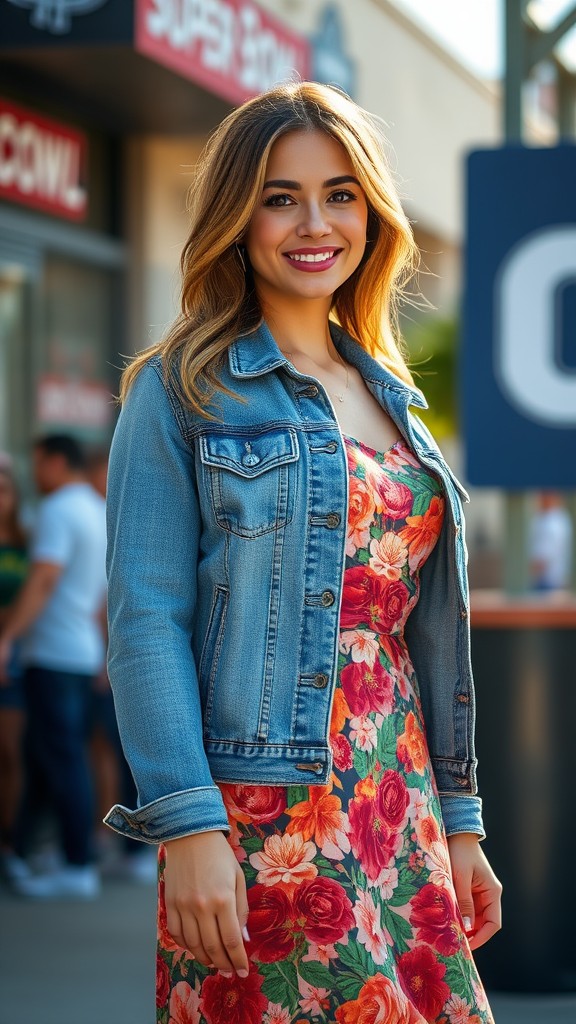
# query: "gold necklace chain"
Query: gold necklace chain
{"points": [[341, 361]]}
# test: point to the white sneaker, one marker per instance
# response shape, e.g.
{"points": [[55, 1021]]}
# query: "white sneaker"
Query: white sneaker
{"points": [[139, 867], [71, 882]]}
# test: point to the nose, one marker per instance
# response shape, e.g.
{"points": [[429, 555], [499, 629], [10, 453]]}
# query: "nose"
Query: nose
{"points": [[314, 222]]}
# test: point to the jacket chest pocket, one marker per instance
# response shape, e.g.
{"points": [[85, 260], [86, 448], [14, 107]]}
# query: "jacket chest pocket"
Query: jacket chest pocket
{"points": [[252, 479]]}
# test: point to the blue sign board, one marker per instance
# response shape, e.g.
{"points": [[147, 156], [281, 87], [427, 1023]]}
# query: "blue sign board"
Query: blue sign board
{"points": [[519, 346]]}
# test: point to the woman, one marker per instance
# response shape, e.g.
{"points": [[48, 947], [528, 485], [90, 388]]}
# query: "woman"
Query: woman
{"points": [[13, 568], [274, 513]]}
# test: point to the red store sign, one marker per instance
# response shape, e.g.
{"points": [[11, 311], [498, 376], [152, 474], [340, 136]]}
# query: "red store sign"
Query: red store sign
{"points": [[231, 47], [42, 163]]}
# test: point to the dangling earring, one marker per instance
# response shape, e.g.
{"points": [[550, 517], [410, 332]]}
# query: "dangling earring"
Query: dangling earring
{"points": [[239, 249]]}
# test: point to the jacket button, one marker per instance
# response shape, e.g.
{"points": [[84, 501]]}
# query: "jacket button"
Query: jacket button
{"points": [[332, 520], [250, 459], [332, 447], [310, 392], [464, 613], [463, 698], [327, 599], [320, 680]]}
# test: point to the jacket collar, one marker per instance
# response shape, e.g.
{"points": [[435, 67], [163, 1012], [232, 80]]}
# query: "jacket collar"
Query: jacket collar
{"points": [[256, 353]]}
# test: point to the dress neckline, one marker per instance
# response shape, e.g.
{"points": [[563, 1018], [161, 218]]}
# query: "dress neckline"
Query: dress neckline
{"points": [[368, 448]]}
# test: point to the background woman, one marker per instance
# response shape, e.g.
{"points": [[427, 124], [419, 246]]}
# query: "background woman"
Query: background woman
{"points": [[289, 643]]}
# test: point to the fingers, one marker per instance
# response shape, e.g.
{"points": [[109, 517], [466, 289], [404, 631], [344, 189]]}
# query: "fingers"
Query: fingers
{"points": [[463, 890], [488, 914], [211, 933]]}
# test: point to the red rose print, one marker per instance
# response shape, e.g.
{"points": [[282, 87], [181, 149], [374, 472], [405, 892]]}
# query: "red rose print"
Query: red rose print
{"points": [[342, 752], [396, 497], [393, 604], [393, 800], [421, 976], [325, 909], [270, 924], [367, 688], [373, 599], [434, 915], [162, 981], [254, 804], [370, 837], [233, 1000]]}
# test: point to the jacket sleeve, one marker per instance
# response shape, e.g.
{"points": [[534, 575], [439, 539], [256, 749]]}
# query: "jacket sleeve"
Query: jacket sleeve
{"points": [[153, 539]]}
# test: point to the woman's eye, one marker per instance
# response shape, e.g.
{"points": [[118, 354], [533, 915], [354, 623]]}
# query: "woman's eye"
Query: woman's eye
{"points": [[342, 196], [280, 199]]}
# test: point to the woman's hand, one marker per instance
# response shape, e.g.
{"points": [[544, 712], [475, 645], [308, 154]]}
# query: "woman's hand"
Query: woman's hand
{"points": [[478, 891], [206, 903]]}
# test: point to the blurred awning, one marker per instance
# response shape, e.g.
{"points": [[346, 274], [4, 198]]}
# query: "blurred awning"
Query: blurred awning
{"points": [[148, 65]]}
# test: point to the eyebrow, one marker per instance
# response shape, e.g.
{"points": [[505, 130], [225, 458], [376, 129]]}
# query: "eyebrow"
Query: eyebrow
{"points": [[344, 179]]}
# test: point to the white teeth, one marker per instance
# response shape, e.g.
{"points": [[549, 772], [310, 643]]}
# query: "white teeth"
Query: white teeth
{"points": [[318, 257]]}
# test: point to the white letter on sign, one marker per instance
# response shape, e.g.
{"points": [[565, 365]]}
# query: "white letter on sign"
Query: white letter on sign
{"points": [[528, 326]]}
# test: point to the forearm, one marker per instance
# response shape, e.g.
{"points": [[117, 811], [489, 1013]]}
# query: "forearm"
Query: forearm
{"points": [[27, 607]]}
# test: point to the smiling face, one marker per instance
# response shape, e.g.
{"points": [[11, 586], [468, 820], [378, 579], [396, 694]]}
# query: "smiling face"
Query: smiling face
{"points": [[308, 233]]}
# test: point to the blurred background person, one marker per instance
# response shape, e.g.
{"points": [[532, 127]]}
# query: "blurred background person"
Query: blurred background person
{"points": [[57, 615], [13, 568], [550, 543], [117, 856]]}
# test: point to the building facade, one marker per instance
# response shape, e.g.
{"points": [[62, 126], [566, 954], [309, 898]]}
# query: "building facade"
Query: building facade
{"points": [[104, 108]]}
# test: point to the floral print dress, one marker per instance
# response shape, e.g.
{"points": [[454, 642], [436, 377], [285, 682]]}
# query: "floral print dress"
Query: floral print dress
{"points": [[353, 916]]}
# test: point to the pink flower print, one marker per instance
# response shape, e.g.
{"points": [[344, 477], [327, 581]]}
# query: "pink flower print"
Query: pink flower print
{"points": [[438, 864], [458, 1010], [418, 805], [370, 933], [184, 1004], [314, 1000], [364, 732], [286, 860], [387, 881], [360, 515], [400, 456], [388, 556], [321, 954], [276, 1014], [362, 644]]}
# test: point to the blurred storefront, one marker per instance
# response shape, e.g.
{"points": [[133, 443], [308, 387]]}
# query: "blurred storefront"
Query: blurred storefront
{"points": [[105, 106]]}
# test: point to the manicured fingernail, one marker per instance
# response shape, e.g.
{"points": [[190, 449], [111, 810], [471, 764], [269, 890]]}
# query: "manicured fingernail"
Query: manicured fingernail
{"points": [[226, 974], [245, 933], [467, 924], [243, 973]]}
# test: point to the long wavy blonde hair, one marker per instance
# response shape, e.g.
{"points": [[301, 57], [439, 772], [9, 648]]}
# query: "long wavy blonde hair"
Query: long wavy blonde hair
{"points": [[218, 301]]}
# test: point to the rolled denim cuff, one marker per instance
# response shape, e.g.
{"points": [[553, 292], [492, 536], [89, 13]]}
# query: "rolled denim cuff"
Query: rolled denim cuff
{"points": [[171, 817], [462, 814]]}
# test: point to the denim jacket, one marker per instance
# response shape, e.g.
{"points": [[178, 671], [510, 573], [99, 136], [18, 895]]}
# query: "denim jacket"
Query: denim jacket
{"points": [[226, 560]]}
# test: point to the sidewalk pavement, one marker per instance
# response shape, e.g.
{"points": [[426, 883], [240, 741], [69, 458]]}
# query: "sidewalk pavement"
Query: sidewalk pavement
{"points": [[93, 963]]}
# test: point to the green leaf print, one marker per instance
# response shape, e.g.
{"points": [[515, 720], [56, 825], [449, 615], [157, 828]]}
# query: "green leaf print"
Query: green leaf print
{"points": [[421, 503], [402, 895], [316, 974], [296, 795], [457, 975], [349, 985], [252, 844], [398, 927], [355, 956], [386, 746], [281, 983], [363, 762]]}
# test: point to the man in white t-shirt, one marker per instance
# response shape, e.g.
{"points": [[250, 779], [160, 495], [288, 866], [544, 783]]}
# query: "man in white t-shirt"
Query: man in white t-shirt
{"points": [[551, 543], [57, 616]]}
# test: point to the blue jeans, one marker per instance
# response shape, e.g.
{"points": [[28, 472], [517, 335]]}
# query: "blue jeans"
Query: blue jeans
{"points": [[58, 707]]}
